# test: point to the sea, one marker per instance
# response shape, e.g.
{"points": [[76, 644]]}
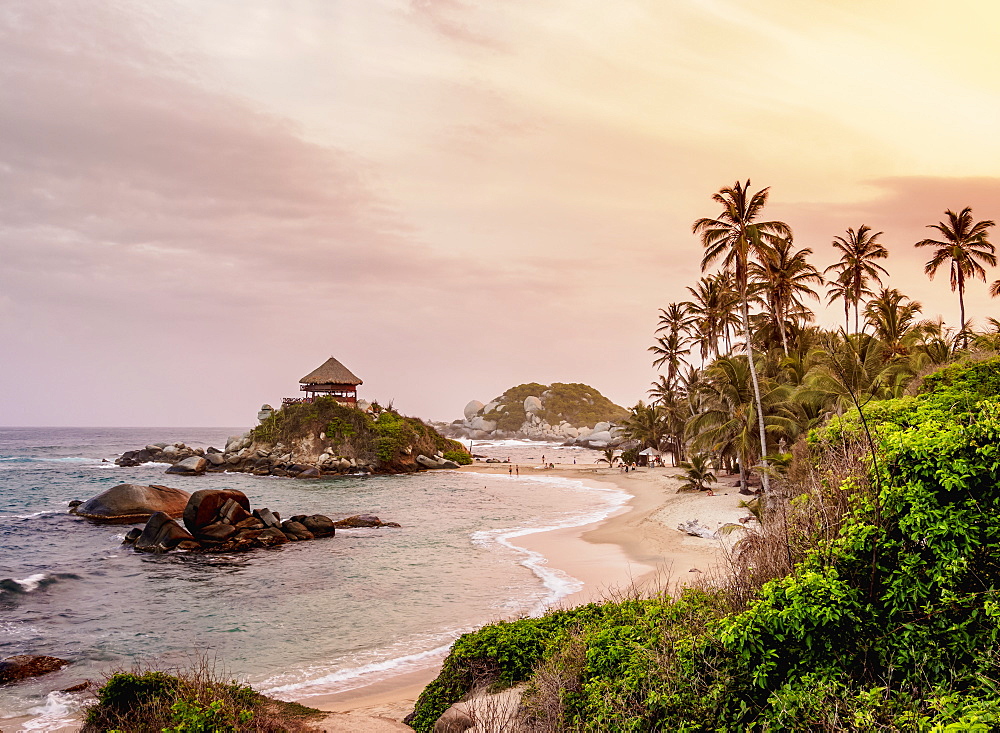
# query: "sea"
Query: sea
{"points": [[296, 621]]}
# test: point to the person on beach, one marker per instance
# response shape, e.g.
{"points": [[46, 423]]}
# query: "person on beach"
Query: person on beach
{"points": [[510, 470], [517, 470]]}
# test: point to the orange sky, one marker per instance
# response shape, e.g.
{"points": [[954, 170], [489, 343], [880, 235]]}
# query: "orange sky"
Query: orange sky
{"points": [[200, 203]]}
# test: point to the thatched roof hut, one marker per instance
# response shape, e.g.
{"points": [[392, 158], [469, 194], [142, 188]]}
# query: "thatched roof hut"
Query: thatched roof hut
{"points": [[331, 371], [330, 378]]}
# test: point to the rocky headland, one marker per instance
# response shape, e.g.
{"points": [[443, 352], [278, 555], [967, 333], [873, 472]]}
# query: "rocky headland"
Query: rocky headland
{"points": [[311, 440], [572, 414]]}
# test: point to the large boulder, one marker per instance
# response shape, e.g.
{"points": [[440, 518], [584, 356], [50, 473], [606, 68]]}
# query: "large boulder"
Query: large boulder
{"points": [[203, 507], [481, 423], [160, 534], [532, 404], [24, 666], [430, 462], [472, 409], [131, 503], [193, 466], [360, 520], [319, 525]]}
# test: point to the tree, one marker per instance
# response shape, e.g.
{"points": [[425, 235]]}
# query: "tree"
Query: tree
{"points": [[736, 237], [670, 350], [785, 276], [712, 313], [646, 424], [964, 247], [892, 315], [608, 456], [726, 422], [857, 266], [698, 473]]}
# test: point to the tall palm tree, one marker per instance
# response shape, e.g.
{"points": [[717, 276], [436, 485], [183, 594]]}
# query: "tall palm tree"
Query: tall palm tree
{"points": [[842, 288], [737, 238], [857, 266], [673, 318], [670, 350], [647, 424], [712, 313], [892, 315], [964, 247], [786, 277]]}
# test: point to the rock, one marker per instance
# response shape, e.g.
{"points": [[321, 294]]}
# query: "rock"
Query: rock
{"points": [[309, 473], [250, 523], [265, 412], [234, 443], [132, 535], [693, 528], [193, 466], [131, 503], [271, 536], [320, 525], [266, 518], [428, 462], [203, 507], [596, 439], [602, 427], [532, 404], [218, 532], [210, 450], [489, 407], [152, 449], [296, 530], [232, 512], [481, 423], [188, 545], [75, 503], [454, 720], [161, 533], [445, 463], [24, 666], [359, 520], [215, 459], [472, 409]]}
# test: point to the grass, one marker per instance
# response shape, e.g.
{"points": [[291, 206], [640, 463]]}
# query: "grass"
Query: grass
{"points": [[193, 699]]}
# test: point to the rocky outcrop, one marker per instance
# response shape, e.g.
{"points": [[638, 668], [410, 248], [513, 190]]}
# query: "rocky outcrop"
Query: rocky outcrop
{"points": [[222, 521], [131, 503], [23, 666], [572, 414], [193, 466]]}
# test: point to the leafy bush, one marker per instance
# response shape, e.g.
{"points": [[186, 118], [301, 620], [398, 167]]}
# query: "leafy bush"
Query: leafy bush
{"points": [[461, 457], [189, 701], [888, 617]]}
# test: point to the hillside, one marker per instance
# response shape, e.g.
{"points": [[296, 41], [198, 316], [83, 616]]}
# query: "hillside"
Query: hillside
{"points": [[555, 412], [867, 601]]}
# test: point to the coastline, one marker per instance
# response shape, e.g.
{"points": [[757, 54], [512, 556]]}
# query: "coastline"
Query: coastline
{"points": [[636, 549]]}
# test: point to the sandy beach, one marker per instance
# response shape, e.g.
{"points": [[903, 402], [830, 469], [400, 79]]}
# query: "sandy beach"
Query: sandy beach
{"points": [[638, 548]]}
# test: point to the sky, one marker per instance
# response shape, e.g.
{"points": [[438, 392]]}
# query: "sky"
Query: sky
{"points": [[202, 200]]}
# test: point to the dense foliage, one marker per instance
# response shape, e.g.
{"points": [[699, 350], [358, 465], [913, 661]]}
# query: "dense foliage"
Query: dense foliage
{"points": [[578, 404], [889, 620]]}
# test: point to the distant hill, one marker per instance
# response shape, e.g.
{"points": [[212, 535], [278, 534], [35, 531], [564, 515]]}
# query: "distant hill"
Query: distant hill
{"points": [[558, 411]]}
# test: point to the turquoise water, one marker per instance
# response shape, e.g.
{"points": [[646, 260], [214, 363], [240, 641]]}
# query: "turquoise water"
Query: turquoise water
{"points": [[298, 620]]}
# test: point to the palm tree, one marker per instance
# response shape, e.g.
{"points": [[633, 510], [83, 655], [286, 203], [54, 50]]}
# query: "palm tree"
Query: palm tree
{"points": [[736, 237], [698, 473], [842, 289], [670, 350], [726, 423], [646, 424], [786, 277], [712, 313], [892, 315], [608, 456], [857, 266], [673, 318], [965, 247]]}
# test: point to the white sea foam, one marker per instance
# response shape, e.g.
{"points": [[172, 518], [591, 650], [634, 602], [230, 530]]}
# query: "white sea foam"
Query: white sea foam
{"points": [[305, 683], [55, 714], [31, 582]]}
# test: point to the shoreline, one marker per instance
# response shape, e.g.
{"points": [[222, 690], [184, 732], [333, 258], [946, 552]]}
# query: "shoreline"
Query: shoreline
{"points": [[637, 549]]}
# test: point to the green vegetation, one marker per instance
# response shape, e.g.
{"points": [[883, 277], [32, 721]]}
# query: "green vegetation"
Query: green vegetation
{"points": [[461, 457], [868, 600], [388, 438], [577, 404], [191, 701]]}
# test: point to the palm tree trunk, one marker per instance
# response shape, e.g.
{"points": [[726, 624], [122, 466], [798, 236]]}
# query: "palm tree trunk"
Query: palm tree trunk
{"points": [[961, 314], [744, 489], [784, 338], [765, 479]]}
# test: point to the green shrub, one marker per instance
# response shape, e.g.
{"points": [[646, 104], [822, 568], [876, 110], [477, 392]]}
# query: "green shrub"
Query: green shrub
{"points": [[461, 457]]}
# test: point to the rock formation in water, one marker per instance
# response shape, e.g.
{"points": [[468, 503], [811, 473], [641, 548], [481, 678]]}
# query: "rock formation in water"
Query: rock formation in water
{"points": [[221, 520], [310, 440], [573, 414], [130, 503]]}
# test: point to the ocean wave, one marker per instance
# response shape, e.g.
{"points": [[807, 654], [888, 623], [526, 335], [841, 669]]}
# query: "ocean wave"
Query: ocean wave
{"points": [[59, 459], [351, 678], [33, 582], [56, 713]]}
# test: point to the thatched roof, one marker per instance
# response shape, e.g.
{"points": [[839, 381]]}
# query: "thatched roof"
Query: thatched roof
{"points": [[331, 372]]}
